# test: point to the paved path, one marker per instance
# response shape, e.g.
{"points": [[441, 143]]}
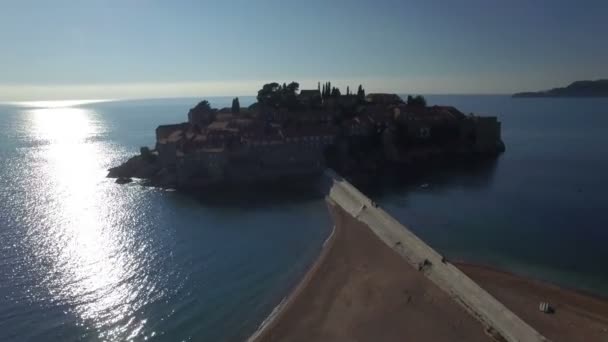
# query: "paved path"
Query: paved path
{"points": [[499, 320]]}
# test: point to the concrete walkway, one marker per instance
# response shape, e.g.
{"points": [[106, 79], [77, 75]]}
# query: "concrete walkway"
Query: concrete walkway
{"points": [[500, 322]]}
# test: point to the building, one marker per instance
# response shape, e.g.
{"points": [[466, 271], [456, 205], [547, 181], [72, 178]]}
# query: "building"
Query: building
{"points": [[486, 135], [246, 149], [164, 131], [384, 99], [310, 98], [201, 118], [341, 102], [359, 127], [280, 143]]}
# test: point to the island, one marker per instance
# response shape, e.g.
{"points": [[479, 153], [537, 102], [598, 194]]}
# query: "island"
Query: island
{"points": [[598, 88], [290, 134]]}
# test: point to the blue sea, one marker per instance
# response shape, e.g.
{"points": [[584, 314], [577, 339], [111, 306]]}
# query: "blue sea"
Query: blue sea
{"points": [[84, 259]]}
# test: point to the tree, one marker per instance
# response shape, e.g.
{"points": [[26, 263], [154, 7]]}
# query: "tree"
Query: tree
{"points": [[290, 95], [335, 92], [347, 90], [293, 87], [269, 94], [253, 107], [275, 95], [202, 106], [421, 100], [236, 106], [361, 94], [417, 100], [201, 113]]}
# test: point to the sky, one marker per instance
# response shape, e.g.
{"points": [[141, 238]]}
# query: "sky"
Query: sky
{"points": [[81, 49]]}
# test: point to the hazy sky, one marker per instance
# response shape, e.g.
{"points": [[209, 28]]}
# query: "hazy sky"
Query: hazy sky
{"points": [[150, 48]]}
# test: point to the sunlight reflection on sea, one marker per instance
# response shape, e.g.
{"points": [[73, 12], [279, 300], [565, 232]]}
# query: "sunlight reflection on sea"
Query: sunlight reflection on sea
{"points": [[88, 257]]}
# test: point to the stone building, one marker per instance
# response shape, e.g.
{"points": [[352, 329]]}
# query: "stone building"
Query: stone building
{"points": [[310, 98], [383, 98]]}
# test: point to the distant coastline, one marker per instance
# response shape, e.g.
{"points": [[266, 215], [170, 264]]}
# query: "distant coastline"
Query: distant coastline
{"points": [[597, 88]]}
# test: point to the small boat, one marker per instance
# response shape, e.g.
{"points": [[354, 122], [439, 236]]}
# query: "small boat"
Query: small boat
{"points": [[424, 186]]}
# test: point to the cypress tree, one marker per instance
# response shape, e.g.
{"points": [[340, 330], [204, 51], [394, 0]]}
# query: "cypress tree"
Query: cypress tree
{"points": [[361, 94], [236, 106]]}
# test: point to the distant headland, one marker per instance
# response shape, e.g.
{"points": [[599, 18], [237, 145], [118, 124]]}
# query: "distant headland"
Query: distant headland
{"points": [[290, 133], [598, 88]]}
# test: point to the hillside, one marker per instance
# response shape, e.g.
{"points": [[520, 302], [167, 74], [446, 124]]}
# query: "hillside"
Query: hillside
{"points": [[598, 88]]}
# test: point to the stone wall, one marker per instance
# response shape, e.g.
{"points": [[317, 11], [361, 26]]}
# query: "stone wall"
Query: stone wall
{"points": [[164, 131], [487, 134]]}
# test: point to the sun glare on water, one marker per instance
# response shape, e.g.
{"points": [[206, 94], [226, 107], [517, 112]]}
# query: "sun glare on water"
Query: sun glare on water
{"points": [[56, 103], [91, 267]]}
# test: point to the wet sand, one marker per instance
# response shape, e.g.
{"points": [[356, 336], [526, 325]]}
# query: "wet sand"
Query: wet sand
{"points": [[361, 290]]}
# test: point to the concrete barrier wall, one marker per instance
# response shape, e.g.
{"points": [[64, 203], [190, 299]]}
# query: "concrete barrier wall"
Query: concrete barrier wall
{"points": [[497, 318]]}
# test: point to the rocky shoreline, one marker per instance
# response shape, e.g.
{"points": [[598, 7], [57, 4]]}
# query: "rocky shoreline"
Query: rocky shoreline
{"points": [[148, 167], [145, 166]]}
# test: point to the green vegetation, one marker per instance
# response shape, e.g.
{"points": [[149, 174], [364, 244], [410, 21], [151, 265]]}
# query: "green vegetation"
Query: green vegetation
{"points": [[417, 100], [275, 95], [202, 106], [326, 90], [361, 94], [236, 106], [286, 95]]}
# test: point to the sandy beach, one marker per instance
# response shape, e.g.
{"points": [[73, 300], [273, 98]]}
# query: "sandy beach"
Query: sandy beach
{"points": [[577, 317], [361, 290]]}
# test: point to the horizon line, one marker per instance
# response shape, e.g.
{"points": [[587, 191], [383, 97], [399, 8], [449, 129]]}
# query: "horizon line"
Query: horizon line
{"points": [[35, 103], [153, 90]]}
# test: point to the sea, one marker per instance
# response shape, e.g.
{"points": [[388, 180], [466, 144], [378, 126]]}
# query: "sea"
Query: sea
{"points": [[85, 259]]}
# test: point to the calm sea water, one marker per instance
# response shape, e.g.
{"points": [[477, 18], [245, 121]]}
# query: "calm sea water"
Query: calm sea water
{"points": [[540, 210], [82, 258]]}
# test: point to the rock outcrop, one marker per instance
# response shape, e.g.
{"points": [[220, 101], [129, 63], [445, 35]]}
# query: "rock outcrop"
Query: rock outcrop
{"points": [[144, 166]]}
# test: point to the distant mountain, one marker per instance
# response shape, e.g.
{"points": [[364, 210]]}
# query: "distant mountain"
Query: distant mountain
{"points": [[597, 88]]}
